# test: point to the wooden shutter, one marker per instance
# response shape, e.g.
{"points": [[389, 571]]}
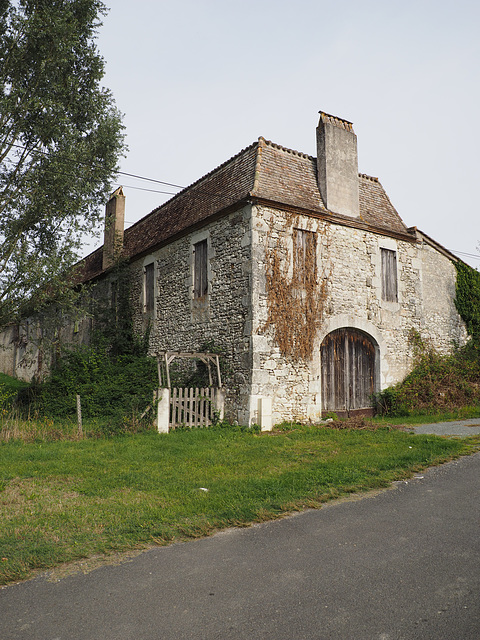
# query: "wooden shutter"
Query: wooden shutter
{"points": [[200, 281], [389, 275], [304, 256], [149, 287]]}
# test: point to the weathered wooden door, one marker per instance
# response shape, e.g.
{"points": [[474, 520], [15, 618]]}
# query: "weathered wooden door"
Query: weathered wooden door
{"points": [[348, 370]]}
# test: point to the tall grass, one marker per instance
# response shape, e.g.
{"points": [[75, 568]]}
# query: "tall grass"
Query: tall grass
{"points": [[13, 426]]}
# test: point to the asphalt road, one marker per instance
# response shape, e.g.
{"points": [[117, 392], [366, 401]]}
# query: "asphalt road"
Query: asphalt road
{"points": [[454, 428], [403, 564]]}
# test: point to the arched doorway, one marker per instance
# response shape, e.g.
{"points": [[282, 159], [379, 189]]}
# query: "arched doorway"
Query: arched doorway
{"points": [[348, 358]]}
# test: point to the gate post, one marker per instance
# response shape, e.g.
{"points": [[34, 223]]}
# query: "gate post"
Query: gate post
{"points": [[265, 413], [219, 404], [163, 410]]}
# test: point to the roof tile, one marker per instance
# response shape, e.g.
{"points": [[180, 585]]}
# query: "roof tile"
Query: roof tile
{"points": [[264, 170]]}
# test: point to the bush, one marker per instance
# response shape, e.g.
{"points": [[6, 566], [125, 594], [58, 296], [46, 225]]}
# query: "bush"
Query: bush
{"points": [[467, 299], [113, 375], [107, 387], [437, 383], [9, 390]]}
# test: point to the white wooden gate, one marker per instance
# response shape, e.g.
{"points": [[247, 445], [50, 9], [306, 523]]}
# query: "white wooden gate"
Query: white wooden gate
{"points": [[189, 407], [193, 407]]}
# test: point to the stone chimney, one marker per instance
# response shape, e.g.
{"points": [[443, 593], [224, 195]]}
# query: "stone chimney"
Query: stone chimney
{"points": [[114, 228], [337, 165]]}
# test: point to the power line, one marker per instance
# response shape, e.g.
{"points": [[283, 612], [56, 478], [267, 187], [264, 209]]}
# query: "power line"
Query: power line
{"points": [[132, 175], [177, 186], [120, 173], [129, 186], [202, 189], [76, 161], [468, 255]]}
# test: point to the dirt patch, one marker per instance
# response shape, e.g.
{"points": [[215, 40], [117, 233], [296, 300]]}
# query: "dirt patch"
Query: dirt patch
{"points": [[359, 423], [87, 565]]}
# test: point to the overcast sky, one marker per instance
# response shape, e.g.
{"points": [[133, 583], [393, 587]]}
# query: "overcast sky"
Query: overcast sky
{"points": [[199, 80]]}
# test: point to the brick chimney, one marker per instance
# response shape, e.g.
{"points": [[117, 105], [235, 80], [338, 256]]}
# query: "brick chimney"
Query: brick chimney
{"points": [[114, 228], [337, 165]]}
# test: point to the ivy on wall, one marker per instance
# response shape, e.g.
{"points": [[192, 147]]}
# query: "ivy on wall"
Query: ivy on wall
{"points": [[467, 298], [295, 293]]}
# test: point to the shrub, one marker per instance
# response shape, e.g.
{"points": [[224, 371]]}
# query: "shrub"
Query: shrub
{"points": [[436, 383], [107, 387], [113, 375], [9, 390]]}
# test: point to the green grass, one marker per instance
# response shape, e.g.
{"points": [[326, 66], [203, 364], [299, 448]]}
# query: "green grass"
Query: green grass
{"points": [[66, 500], [425, 417]]}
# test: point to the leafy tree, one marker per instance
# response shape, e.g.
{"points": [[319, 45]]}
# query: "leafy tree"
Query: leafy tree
{"points": [[60, 139]]}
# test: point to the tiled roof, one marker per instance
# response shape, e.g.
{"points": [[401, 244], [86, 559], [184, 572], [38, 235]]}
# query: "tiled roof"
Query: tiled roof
{"points": [[229, 183], [286, 176], [263, 170], [290, 177], [375, 206]]}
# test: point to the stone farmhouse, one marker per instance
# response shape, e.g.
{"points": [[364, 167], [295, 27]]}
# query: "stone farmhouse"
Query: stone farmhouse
{"points": [[297, 268]]}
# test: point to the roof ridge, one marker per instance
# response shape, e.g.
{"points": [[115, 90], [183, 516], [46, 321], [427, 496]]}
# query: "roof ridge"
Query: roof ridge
{"points": [[282, 148], [367, 177]]}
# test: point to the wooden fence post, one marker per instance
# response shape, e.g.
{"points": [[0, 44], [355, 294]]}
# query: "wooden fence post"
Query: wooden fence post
{"points": [[79, 416]]}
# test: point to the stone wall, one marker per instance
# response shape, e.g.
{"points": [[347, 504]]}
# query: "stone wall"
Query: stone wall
{"points": [[349, 281], [219, 321], [442, 326], [8, 348], [28, 348]]}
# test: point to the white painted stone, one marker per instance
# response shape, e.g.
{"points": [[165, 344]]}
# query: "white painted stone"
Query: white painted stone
{"points": [[265, 413], [163, 410]]}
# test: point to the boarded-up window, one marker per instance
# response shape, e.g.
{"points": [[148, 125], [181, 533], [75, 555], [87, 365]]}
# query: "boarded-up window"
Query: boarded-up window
{"points": [[389, 275], [304, 252], [149, 275], [200, 281]]}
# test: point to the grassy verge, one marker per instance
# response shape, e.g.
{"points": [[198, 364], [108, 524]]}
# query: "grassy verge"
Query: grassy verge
{"points": [[66, 500], [425, 417]]}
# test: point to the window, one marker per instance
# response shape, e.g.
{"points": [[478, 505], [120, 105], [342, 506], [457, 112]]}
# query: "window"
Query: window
{"points": [[389, 275], [304, 251], [149, 288], [200, 280]]}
